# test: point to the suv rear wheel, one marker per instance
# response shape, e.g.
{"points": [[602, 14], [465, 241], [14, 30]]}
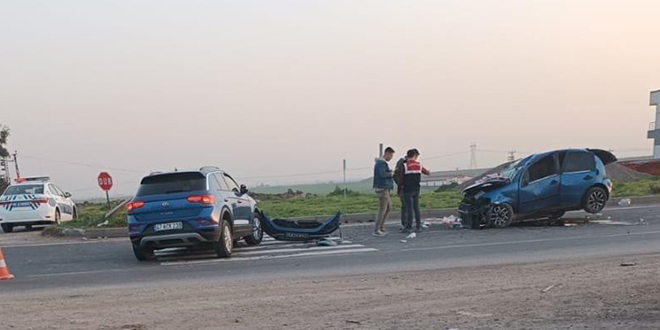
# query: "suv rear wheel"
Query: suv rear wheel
{"points": [[143, 254], [7, 227], [257, 231], [225, 245]]}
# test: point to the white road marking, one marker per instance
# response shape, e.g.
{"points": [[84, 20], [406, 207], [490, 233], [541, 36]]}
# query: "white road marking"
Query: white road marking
{"points": [[305, 254], [528, 241], [350, 246]]}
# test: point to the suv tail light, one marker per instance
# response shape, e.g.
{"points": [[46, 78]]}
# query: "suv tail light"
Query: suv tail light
{"points": [[134, 205], [201, 199]]}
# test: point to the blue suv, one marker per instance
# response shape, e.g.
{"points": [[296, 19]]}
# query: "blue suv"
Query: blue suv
{"points": [[203, 208], [541, 185]]}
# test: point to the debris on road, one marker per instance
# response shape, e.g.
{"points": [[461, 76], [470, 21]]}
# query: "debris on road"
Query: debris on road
{"points": [[326, 242], [472, 314], [403, 241], [353, 322], [546, 290], [625, 202], [570, 224], [411, 236], [452, 221], [628, 264]]}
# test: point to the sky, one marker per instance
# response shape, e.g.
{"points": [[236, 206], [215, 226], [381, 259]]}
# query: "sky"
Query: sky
{"points": [[273, 90]]}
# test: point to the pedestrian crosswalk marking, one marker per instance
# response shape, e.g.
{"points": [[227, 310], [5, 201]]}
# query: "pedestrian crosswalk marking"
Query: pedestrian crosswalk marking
{"points": [[268, 249], [304, 254]]}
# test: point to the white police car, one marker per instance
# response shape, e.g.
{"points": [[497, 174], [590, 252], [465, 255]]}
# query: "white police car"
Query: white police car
{"points": [[35, 201]]}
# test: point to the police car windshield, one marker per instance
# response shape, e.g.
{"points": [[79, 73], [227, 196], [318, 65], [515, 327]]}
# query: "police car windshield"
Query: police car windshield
{"points": [[27, 189], [172, 183]]}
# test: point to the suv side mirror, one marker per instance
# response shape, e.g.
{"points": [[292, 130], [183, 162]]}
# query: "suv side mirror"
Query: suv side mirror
{"points": [[244, 189], [67, 195]]}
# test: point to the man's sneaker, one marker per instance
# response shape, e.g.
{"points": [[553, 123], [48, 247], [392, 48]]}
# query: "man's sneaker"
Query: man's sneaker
{"points": [[379, 234]]}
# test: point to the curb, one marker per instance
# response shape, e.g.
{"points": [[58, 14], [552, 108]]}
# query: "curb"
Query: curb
{"points": [[355, 218]]}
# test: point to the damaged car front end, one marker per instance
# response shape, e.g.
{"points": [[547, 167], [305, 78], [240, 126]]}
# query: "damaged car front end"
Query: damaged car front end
{"points": [[484, 202]]}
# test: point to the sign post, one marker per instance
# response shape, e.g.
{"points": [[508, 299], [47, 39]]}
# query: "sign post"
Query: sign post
{"points": [[105, 182]]}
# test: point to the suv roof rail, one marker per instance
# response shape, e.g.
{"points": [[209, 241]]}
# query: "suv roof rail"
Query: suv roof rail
{"points": [[209, 168]]}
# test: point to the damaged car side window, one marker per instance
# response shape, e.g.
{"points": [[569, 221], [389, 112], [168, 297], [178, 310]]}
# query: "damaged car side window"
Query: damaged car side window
{"points": [[579, 162], [543, 168]]}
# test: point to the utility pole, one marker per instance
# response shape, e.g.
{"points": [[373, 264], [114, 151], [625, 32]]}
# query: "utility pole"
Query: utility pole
{"points": [[512, 156], [380, 153], [473, 155], [18, 173], [344, 178]]}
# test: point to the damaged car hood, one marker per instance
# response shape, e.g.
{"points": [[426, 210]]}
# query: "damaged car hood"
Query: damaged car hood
{"points": [[486, 183]]}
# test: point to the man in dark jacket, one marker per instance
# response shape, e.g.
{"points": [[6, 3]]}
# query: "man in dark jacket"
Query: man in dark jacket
{"points": [[411, 187], [383, 184], [399, 172]]}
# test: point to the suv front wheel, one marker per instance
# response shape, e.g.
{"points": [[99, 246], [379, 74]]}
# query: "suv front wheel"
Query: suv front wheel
{"points": [[257, 231], [225, 245]]}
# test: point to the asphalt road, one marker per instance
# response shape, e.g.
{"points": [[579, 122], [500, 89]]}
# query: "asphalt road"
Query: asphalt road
{"points": [[50, 264]]}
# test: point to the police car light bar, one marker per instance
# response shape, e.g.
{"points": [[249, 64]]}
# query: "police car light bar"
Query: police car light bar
{"points": [[33, 178]]}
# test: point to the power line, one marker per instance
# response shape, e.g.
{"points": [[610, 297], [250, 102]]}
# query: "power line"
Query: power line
{"points": [[84, 164]]}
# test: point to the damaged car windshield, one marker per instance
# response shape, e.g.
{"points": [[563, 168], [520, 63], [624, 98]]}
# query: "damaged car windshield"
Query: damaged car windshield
{"points": [[510, 171]]}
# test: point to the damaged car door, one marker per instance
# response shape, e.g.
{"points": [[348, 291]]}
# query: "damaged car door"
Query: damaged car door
{"points": [[539, 187]]}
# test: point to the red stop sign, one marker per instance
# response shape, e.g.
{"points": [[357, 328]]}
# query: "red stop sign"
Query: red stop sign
{"points": [[105, 181]]}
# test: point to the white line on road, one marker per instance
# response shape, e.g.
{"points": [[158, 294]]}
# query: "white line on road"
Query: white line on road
{"points": [[314, 248], [305, 254], [527, 241]]}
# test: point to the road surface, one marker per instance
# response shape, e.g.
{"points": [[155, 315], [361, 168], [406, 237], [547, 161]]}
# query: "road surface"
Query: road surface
{"points": [[54, 267]]}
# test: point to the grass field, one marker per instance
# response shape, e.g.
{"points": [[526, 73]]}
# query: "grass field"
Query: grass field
{"points": [[91, 214], [354, 203], [637, 188]]}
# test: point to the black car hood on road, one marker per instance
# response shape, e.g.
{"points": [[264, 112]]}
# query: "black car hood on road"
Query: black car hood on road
{"points": [[605, 156], [488, 182]]}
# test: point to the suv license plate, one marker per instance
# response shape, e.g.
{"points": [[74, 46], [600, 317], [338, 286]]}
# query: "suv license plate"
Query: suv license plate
{"points": [[168, 226]]}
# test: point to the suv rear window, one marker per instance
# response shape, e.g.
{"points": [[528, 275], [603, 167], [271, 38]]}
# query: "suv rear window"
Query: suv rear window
{"points": [[171, 183], [32, 189]]}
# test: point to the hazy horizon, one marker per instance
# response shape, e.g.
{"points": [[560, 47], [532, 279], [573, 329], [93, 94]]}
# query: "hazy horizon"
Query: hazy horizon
{"points": [[270, 89]]}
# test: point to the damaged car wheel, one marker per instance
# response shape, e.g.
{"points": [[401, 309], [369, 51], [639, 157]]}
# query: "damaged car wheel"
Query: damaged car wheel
{"points": [[500, 215]]}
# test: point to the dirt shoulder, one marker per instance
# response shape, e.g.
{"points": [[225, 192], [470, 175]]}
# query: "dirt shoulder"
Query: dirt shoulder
{"points": [[588, 294]]}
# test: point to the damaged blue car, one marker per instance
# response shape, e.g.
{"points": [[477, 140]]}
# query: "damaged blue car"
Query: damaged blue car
{"points": [[539, 186]]}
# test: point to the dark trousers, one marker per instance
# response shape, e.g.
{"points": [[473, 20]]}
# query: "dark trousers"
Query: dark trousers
{"points": [[412, 207], [404, 220]]}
